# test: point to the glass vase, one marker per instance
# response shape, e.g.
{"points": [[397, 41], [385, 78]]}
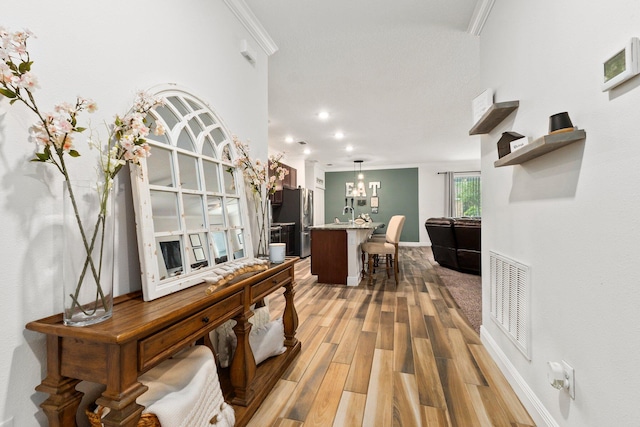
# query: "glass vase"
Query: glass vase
{"points": [[264, 228], [87, 253]]}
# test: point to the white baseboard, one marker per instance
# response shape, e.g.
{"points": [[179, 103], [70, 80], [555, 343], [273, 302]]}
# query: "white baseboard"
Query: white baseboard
{"points": [[353, 280], [534, 406]]}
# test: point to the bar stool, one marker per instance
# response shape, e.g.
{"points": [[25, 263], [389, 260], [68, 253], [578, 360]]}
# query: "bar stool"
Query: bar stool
{"points": [[373, 237], [388, 248]]}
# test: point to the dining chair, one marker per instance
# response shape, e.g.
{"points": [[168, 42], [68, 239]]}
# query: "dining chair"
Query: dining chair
{"points": [[388, 248]]}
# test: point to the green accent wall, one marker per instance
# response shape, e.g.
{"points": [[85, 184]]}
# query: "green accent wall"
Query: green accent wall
{"points": [[397, 195]]}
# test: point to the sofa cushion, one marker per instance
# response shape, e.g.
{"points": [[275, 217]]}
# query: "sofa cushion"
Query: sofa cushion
{"points": [[469, 261], [467, 233], [440, 232], [443, 241], [446, 257]]}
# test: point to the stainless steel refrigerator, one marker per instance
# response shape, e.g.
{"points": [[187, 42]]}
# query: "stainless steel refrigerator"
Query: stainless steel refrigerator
{"points": [[297, 207]]}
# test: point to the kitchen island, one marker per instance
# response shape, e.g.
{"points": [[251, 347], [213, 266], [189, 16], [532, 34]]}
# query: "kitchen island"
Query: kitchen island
{"points": [[335, 251]]}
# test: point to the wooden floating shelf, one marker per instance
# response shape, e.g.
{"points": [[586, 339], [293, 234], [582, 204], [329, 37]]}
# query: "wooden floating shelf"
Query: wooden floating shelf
{"points": [[494, 115], [540, 146]]}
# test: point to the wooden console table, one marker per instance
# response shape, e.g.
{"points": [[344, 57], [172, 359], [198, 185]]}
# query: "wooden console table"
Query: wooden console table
{"points": [[142, 334]]}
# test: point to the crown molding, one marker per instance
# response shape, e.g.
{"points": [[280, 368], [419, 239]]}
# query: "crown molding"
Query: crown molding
{"points": [[251, 23], [479, 17]]}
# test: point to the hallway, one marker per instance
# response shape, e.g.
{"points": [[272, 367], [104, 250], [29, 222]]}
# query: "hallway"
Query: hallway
{"points": [[381, 356]]}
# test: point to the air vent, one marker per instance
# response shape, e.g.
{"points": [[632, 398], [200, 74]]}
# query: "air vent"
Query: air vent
{"points": [[509, 282], [302, 142]]}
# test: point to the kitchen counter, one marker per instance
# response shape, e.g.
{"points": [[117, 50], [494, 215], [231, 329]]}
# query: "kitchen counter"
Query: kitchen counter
{"points": [[336, 256], [347, 226]]}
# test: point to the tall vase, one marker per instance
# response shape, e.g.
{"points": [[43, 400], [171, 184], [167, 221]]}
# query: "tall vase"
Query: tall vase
{"points": [[87, 253], [264, 228]]}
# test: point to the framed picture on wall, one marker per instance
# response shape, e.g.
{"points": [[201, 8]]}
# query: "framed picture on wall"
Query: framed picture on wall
{"points": [[374, 202], [195, 240], [198, 254]]}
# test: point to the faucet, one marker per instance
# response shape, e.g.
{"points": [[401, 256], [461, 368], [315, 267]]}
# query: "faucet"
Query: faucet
{"points": [[353, 212]]}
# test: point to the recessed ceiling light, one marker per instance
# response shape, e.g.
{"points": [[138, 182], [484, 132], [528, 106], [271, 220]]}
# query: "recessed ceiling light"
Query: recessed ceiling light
{"points": [[307, 151], [323, 115], [339, 135], [288, 140], [349, 148]]}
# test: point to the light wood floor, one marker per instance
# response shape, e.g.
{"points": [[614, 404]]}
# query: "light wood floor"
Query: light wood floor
{"points": [[385, 356]]}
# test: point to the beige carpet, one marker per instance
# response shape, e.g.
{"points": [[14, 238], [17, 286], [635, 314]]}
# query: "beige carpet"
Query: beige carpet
{"points": [[466, 289]]}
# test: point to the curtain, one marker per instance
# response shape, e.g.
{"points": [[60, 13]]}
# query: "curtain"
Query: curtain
{"points": [[462, 191], [449, 194]]}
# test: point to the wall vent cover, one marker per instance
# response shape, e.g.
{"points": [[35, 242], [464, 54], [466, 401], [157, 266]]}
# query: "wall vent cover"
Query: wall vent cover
{"points": [[510, 295]]}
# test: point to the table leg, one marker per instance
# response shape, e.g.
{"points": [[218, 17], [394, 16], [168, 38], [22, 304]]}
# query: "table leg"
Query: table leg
{"points": [[243, 365], [290, 318], [123, 409], [64, 399], [123, 387]]}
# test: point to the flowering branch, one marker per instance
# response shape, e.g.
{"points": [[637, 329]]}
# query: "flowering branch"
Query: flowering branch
{"points": [[262, 183], [54, 133], [257, 173]]}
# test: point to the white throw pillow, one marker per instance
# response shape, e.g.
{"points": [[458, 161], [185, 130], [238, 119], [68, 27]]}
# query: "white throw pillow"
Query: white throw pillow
{"points": [[266, 341], [220, 336], [261, 317]]}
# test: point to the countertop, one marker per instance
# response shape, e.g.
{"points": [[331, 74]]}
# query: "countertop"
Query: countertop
{"points": [[347, 226]]}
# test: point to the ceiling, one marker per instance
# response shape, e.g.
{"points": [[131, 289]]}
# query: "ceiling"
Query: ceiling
{"points": [[397, 78]]}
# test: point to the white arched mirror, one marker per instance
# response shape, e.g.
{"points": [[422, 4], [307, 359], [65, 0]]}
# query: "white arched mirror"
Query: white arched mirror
{"points": [[191, 213]]}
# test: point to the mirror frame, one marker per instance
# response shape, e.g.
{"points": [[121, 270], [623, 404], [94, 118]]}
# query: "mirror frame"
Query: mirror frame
{"points": [[154, 285]]}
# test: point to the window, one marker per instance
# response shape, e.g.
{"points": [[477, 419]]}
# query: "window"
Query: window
{"points": [[189, 210], [463, 193]]}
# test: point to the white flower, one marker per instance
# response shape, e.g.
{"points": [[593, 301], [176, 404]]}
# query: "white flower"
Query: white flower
{"points": [[5, 73], [159, 129], [28, 81], [127, 142], [64, 107]]}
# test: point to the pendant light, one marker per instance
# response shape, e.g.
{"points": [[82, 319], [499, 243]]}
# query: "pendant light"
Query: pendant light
{"points": [[359, 190]]}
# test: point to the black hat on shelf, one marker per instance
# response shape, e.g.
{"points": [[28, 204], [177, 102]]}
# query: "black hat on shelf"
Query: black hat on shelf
{"points": [[560, 123]]}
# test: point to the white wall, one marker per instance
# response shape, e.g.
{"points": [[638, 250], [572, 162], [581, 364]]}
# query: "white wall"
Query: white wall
{"points": [[105, 51], [570, 215]]}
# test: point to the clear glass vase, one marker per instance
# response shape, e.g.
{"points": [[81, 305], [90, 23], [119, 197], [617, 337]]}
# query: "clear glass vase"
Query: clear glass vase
{"points": [[87, 253], [264, 228]]}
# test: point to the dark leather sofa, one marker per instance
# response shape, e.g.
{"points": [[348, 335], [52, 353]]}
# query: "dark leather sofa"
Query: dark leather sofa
{"points": [[456, 243]]}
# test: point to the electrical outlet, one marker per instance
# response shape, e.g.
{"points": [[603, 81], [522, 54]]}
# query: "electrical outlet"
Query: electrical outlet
{"points": [[569, 374], [7, 423]]}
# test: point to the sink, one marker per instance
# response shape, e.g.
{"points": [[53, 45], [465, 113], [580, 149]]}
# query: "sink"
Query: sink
{"points": [[345, 225]]}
